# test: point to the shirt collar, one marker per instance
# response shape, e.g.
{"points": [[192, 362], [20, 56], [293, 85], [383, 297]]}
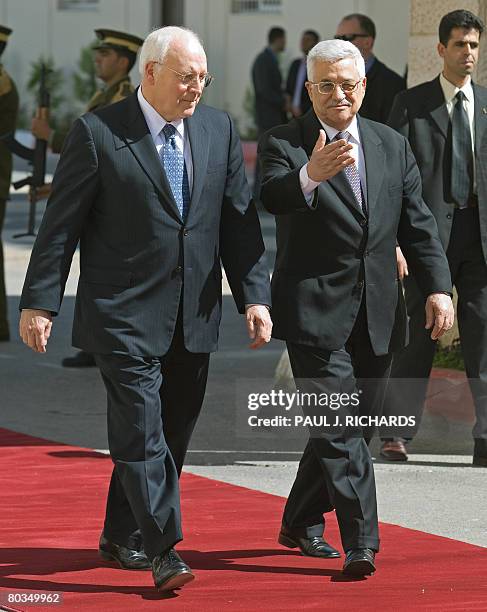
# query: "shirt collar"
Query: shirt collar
{"points": [[352, 129], [450, 90], [155, 122]]}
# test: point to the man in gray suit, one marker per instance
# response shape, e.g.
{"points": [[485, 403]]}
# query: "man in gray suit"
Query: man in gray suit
{"points": [[154, 189], [445, 121]]}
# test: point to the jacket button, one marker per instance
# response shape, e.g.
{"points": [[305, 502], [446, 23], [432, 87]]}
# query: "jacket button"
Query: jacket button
{"points": [[185, 233], [178, 270], [366, 253], [363, 222], [449, 216], [360, 284]]}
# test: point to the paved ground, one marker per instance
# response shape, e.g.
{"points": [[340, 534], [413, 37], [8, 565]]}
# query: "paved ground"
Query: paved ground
{"points": [[436, 491]]}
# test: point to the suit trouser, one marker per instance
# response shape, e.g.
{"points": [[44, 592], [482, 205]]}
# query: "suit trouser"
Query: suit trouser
{"points": [[153, 406], [469, 276], [3, 294], [336, 471]]}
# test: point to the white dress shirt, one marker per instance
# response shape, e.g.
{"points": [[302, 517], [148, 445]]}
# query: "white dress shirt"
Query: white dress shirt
{"points": [[308, 185], [450, 91], [156, 123]]}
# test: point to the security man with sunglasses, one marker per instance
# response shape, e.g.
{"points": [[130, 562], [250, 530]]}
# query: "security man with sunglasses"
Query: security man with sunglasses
{"points": [[382, 83]]}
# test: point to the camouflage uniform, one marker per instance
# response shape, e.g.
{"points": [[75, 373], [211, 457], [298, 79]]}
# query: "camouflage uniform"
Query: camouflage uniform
{"points": [[9, 106]]}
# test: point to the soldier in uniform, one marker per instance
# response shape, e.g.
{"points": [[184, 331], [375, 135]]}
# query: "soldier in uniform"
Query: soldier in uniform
{"points": [[115, 55], [9, 106]]}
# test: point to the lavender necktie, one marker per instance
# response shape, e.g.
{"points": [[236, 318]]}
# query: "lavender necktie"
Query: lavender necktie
{"points": [[351, 172]]}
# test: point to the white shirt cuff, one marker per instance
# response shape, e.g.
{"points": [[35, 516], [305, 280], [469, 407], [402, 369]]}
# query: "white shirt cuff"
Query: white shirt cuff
{"points": [[307, 184]]}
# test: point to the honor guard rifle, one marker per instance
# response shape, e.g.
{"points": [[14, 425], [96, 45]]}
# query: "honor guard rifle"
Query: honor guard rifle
{"points": [[36, 156]]}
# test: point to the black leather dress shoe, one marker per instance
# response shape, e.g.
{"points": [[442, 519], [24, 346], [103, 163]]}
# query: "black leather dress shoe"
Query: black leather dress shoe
{"points": [[480, 452], [170, 571], [80, 360], [310, 547], [127, 558], [359, 562]]}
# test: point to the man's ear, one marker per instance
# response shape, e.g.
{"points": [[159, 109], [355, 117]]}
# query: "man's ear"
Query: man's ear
{"points": [[309, 89], [124, 62]]}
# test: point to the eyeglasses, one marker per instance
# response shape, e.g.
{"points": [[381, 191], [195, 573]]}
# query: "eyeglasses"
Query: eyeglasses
{"points": [[190, 78], [351, 37], [328, 87]]}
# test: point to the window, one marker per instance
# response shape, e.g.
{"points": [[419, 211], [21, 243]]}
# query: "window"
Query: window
{"points": [[78, 5], [256, 6]]}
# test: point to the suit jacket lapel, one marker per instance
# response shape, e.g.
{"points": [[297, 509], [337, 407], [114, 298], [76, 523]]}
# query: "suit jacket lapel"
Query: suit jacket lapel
{"points": [[436, 106], [339, 183], [374, 161], [199, 141], [139, 140], [480, 115]]}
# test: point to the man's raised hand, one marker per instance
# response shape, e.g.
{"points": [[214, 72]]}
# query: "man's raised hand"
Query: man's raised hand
{"points": [[328, 159]]}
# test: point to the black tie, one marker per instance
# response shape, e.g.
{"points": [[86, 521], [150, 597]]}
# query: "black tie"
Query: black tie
{"points": [[461, 154]]}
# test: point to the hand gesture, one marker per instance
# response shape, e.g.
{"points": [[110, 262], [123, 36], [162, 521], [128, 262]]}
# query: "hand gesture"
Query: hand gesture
{"points": [[328, 159]]}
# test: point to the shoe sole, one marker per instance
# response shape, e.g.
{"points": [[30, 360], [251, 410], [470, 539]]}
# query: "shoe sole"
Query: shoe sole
{"points": [[392, 456], [359, 568], [175, 582], [289, 543], [106, 556]]}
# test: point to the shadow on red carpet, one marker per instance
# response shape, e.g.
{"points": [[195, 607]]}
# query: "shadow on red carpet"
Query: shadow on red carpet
{"points": [[51, 508]]}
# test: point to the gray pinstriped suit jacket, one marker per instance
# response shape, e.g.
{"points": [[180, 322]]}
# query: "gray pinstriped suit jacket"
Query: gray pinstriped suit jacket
{"points": [[138, 259]]}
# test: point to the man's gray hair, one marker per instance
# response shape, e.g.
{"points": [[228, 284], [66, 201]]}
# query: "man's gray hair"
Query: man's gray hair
{"points": [[332, 51], [157, 44]]}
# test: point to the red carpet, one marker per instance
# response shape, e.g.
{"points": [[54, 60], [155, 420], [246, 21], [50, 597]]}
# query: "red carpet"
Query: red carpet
{"points": [[51, 509]]}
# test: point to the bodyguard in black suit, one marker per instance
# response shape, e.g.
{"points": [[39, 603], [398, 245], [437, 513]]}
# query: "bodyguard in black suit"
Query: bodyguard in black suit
{"points": [[154, 189], [445, 121], [299, 101], [270, 103], [382, 83], [343, 191]]}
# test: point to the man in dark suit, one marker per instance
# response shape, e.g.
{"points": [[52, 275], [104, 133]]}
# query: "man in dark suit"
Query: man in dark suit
{"points": [[9, 106], [299, 101], [343, 190], [154, 189], [270, 103], [382, 83], [445, 121], [115, 54]]}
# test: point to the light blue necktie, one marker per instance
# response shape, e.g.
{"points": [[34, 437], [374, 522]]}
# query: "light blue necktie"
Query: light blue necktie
{"points": [[175, 168]]}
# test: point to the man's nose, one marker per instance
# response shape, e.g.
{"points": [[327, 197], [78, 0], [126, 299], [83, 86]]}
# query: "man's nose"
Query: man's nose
{"points": [[338, 93], [196, 85]]}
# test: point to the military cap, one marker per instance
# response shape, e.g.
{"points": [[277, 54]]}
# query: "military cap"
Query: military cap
{"points": [[120, 41], [4, 34]]}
